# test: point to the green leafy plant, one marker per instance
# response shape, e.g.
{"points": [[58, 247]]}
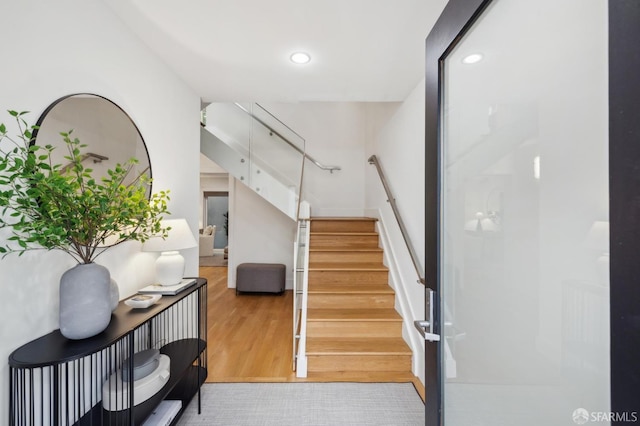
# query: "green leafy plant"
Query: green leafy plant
{"points": [[51, 206]]}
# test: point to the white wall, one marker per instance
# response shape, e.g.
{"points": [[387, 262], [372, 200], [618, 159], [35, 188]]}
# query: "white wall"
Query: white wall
{"points": [[56, 48], [397, 139], [258, 232], [335, 135]]}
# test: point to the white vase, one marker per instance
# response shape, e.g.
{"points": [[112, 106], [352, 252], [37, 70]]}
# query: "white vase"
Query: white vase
{"points": [[85, 301], [115, 294]]}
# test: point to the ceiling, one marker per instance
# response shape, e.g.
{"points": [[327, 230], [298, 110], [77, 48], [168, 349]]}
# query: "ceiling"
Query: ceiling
{"points": [[238, 50]]}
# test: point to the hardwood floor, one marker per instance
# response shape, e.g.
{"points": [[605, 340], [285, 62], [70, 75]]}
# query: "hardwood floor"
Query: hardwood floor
{"points": [[249, 338], [249, 335]]}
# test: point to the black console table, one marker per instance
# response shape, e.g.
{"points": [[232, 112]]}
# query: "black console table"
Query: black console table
{"points": [[56, 381]]}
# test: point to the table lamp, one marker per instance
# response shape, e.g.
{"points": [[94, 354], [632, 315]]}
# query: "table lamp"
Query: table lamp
{"points": [[170, 263]]}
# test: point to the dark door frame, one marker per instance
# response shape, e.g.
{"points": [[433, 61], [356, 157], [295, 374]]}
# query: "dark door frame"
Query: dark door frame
{"points": [[624, 202], [455, 19], [624, 192]]}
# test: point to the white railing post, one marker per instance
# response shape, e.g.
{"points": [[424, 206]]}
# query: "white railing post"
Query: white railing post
{"points": [[301, 358], [295, 296]]}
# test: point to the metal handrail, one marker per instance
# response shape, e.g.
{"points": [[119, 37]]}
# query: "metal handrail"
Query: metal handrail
{"points": [[294, 146], [405, 235], [300, 190]]}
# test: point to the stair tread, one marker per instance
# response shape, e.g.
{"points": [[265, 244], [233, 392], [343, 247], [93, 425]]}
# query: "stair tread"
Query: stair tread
{"points": [[343, 218], [349, 249], [341, 233], [354, 314], [350, 288], [357, 346], [347, 266]]}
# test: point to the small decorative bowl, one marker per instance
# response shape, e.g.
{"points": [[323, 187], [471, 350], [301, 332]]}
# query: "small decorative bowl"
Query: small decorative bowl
{"points": [[140, 301]]}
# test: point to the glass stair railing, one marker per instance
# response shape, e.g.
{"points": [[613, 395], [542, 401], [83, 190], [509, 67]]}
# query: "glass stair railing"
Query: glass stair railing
{"points": [[257, 149]]}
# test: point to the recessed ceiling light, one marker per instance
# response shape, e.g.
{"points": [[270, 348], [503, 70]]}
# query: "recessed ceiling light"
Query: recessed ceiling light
{"points": [[300, 58], [472, 59]]}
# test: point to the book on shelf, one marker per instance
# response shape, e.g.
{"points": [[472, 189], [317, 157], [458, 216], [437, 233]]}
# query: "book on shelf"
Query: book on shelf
{"points": [[164, 413], [169, 290]]}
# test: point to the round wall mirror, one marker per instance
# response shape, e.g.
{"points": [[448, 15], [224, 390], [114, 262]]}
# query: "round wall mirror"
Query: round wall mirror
{"points": [[110, 136]]}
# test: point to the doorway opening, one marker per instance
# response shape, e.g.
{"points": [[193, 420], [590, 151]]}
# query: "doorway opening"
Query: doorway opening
{"points": [[216, 213]]}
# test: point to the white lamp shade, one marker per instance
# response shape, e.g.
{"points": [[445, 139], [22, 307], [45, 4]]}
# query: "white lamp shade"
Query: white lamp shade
{"points": [[170, 264], [179, 237]]}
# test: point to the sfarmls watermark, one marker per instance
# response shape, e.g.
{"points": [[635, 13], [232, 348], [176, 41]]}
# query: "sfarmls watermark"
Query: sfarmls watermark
{"points": [[581, 416]]}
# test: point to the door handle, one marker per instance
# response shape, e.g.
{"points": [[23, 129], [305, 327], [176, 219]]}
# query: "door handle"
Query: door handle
{"points": [[425, 327]]}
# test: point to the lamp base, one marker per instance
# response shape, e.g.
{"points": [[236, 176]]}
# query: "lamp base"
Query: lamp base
{"points": [[169, 268]]}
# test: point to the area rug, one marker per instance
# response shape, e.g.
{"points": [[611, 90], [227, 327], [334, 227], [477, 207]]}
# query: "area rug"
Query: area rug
{"points": [[306, 404], [215, 260]]}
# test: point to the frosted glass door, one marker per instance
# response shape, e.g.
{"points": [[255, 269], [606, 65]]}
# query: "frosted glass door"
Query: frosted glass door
{"points": [[524, 231]]}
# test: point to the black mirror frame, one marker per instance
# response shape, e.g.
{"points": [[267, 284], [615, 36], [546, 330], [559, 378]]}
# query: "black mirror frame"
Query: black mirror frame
{"points": [[59, 100]]}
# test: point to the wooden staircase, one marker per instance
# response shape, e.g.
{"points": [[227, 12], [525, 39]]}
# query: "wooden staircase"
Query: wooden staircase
{"points": [[353, 329]]}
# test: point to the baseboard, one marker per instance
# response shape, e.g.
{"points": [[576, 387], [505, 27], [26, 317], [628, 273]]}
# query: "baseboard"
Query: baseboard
{"points": [[402, 300]]}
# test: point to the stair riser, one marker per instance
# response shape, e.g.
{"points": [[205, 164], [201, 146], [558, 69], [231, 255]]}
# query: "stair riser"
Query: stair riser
{"points": [[346, 256], [342, 226], [343, 241], [354, 329], [326, 363], [350, 301], [343, 277]]}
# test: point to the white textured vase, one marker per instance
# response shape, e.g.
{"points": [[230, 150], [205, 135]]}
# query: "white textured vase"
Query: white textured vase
{"points": [[85, 301], [115, 294]]}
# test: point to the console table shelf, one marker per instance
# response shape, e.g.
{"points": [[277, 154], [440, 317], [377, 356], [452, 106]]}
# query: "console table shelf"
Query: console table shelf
{"points": [[56, 381]]}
